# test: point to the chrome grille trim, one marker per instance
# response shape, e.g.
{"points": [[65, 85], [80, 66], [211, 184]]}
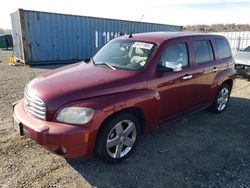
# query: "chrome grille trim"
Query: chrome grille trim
{"points": [[34, 114], [34, 106]]}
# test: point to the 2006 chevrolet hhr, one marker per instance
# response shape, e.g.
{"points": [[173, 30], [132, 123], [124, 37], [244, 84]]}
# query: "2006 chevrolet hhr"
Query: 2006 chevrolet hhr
{"points": [[134, 84]]}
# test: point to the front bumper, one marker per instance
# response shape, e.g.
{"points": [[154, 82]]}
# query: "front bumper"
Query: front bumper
{"points": [[62, 139], [241, 64]]}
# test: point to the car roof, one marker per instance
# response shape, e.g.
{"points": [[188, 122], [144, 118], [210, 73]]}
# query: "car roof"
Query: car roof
{"points": [[159, 37]]}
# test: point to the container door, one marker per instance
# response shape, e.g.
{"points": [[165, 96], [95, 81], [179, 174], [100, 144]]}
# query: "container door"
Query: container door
{"points": [[17, 35]]}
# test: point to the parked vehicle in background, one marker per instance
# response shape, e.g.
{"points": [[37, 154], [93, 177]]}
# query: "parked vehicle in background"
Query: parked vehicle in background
{"points": [[134, 84], [242, 59]]}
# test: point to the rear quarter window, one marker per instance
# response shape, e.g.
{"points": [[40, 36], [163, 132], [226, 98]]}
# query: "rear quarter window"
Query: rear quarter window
{"points": [[223, 48]]}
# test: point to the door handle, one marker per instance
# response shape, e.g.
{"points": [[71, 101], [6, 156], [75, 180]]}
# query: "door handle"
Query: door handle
{"points": [[215, 69], [186, 77]]}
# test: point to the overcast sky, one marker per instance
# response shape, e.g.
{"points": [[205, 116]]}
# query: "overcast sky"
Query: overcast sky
{"points": [[177, 12]]}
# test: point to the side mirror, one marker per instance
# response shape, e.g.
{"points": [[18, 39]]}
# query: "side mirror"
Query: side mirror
{"points": [[170, 66]]}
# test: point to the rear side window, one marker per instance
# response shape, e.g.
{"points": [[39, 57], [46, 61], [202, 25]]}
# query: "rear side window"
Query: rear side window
{"points": [[222, 48], [203, 51], [175, 53]]}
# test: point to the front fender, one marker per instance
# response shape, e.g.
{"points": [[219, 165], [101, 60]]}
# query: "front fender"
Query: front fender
{"points": [[105, 106], [144, 99]]}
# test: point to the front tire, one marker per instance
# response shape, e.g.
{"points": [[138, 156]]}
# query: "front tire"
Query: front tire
{"points": [[118, 137], [221, 99]]}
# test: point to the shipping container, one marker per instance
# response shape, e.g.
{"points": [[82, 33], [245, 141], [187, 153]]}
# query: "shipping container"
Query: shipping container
{"points": [[6, 41], [50, 38]]}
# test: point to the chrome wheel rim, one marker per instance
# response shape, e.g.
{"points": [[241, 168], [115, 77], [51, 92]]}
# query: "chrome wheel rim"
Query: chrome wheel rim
{"points": [[121, 139], [222, 99]]}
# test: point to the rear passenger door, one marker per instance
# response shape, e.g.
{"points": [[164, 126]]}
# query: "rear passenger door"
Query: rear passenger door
{"points": [[205, 66]]}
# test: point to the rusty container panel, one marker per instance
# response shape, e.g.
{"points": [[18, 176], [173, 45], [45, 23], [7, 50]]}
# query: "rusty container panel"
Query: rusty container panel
{"points": [[51, 38]]}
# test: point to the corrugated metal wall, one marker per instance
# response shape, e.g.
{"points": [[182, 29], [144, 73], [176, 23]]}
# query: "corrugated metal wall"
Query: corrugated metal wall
{"points": [[238, 40], [59, 38], [17, 35]]}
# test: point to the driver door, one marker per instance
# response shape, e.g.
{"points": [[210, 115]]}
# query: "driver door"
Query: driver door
{"points": [[176, 89]]}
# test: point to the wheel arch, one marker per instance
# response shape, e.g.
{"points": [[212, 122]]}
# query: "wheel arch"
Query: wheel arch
{"points": [[218, 86], [225, 77], [228, 82], [136, 111]]}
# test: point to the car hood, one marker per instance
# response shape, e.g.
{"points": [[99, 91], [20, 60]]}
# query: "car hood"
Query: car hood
{"points": [[242, 58], [80, 81]]}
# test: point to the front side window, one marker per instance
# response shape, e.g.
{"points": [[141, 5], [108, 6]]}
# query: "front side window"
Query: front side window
{"points": [[177, 53], [124, 54], [222, 48], [203, 51]]}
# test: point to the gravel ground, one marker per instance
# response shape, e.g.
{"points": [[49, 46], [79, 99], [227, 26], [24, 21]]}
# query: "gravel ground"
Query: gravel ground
{"points": [[204, 150]]}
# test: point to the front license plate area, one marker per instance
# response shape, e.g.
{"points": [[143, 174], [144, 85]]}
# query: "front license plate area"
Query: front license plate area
{"points": [[18, 126]]}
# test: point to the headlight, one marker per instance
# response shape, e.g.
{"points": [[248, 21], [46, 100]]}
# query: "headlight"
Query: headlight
{"points": [[75, 115]]}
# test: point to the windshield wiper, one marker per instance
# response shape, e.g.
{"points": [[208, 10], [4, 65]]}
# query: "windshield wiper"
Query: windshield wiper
{"points": [[105, 63]]}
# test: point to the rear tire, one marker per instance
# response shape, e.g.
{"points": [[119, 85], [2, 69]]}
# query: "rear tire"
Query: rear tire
{"points": [[221, 99], [118, 137]]}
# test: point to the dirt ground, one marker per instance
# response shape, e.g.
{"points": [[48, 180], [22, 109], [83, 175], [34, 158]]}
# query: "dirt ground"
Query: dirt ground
{"points": [[204, 150]]}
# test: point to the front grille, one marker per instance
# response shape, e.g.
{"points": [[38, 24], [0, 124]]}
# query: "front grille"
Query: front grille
{"points": [[34, 106]]}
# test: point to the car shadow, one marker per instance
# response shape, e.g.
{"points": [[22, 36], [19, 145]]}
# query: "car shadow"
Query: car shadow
{"points": [[203, 150]]}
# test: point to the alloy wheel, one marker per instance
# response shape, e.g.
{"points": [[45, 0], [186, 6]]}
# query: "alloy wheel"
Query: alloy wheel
{"points": [[222, 99], [121, 139]]}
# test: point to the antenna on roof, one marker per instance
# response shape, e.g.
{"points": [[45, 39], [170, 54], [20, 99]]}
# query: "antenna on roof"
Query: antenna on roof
{"points": [[141, 18], [130, 35]]}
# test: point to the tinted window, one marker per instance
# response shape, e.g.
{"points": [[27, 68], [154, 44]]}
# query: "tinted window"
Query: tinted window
{"points": [[247, 49], [222, 48], [175, 53], [203, 51]]}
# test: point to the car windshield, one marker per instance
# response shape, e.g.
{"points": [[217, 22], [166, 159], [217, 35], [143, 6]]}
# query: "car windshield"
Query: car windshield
{"points": [[247, 49], [124, 54]]}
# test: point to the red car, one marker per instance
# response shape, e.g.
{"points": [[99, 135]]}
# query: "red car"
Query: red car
{"points": [[134, 84]]}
